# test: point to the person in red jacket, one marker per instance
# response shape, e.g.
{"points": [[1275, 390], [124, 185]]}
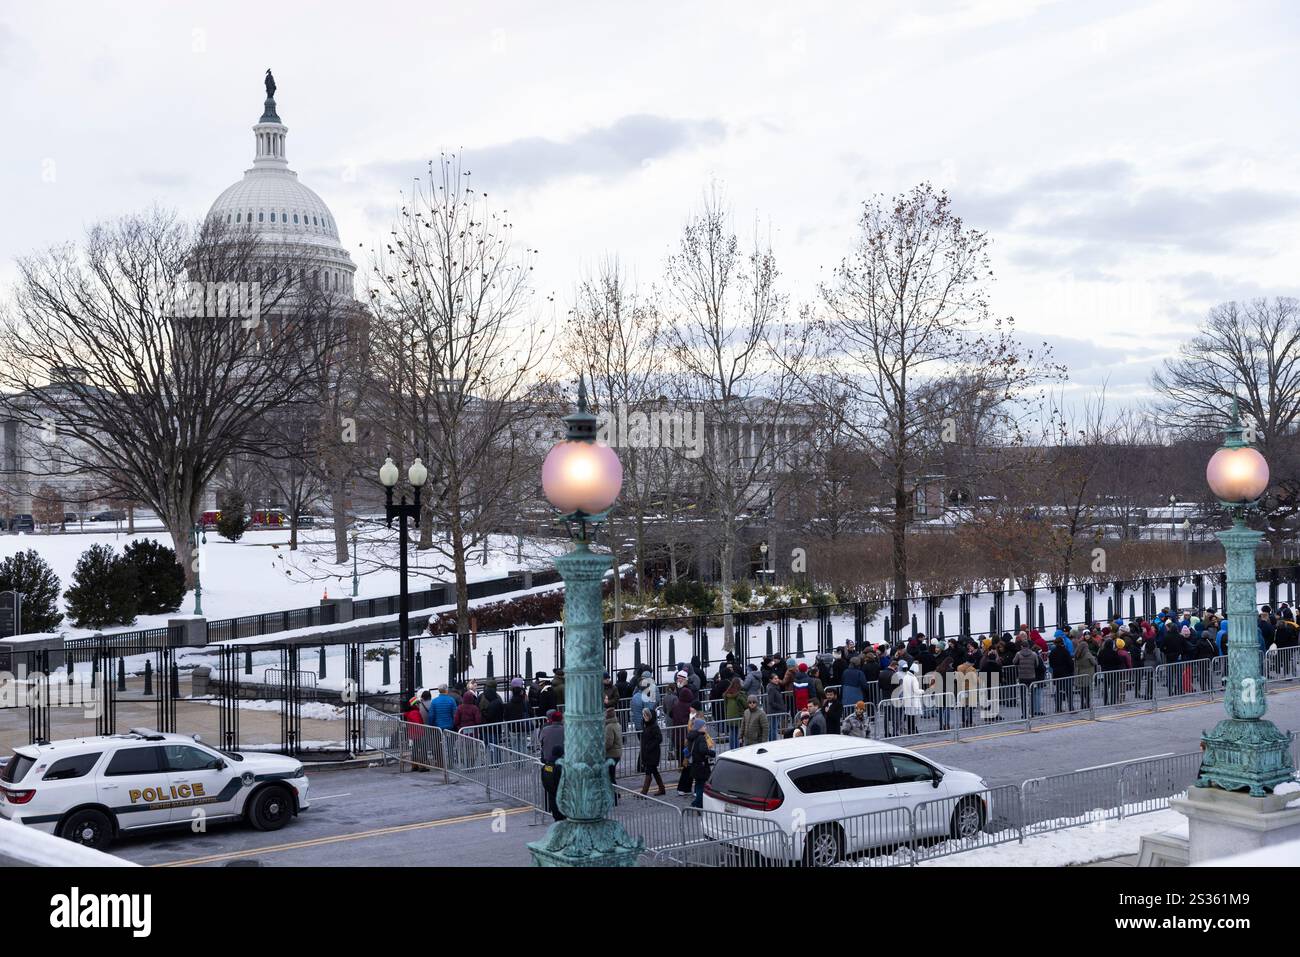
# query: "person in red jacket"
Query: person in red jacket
{"points": [[417, 735]]}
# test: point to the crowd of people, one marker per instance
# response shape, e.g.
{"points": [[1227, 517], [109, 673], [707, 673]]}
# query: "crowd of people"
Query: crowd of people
{"points": [[837, 693]]}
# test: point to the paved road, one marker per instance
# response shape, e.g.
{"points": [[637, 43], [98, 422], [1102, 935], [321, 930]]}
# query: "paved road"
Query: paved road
{"points": [[376, 816]]}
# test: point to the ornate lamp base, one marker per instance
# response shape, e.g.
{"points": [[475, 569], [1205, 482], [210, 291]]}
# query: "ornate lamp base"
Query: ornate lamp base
{"points": [[1246, 754], [571, 843]]}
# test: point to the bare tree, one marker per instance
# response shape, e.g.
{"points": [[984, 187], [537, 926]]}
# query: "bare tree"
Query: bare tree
{"points": [[908, 346], [614, 335], [154, 390], [735, 368], [1250, 350], [456, 347]]}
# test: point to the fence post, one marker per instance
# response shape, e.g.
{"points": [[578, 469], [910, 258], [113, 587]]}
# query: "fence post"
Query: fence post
{"points": [[148, 676], [121, 674], [321, 663], [769, 641]]}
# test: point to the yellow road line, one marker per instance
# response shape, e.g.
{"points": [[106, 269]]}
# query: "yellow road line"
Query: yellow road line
{"points": [[339, 838]]}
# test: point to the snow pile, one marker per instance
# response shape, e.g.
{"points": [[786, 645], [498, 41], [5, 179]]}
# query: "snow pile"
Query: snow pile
{"points": [[1279, 855], [20, 844]]}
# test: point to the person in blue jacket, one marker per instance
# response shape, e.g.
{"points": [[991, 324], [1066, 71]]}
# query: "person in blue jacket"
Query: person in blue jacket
{"points": [[442, 709]]}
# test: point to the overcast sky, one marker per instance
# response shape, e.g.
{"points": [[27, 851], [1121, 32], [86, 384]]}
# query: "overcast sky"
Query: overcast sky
{"points": [[1133, 162]]}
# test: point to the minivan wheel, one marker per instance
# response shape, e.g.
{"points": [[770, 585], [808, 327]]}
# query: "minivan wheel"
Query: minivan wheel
{"points": [[271, 808], [89, 827], [824, 846], [967, 819]]}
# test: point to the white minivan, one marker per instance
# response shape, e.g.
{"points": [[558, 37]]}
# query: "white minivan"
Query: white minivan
{"points": [[821, 790]]}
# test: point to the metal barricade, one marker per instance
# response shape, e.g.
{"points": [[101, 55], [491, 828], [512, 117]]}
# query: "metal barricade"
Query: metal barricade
{"points": [[1282, 664], [951, 825], [1183, 679], [755, 842], [656, 822], [1149, 784], [1129, 689], [1059, 801], [1064, 697], [872, 839], [719, 853]]}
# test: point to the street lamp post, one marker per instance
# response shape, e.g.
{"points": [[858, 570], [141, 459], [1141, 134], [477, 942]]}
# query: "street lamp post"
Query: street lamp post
{"points": [[355, 582], [1173, 501], [1187, 532], [582, 479], [762, 550], [197, 537], [1244, 751], [417, 475]]}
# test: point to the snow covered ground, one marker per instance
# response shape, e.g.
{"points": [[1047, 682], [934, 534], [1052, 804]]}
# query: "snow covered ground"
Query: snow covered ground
{"points": [[260, 574], [1084, 844]]}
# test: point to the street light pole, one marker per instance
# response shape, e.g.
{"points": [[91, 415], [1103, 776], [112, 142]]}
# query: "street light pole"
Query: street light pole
{"points": [[355, 582], [197, 537], [417, 475], [582, 479], [1244, 751]]}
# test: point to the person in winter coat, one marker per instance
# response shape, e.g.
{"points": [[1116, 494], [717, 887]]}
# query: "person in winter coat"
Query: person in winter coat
{"points": [[753, 683], [833, 710], [613, 746], [1085, 667], [639, 704], [775, 706], [733, 709], [557, 688], [802, 688], [652, 738], [1062, 665], [857, 725], [909, 697], [417, 734], [442, 710], [551, 742], [468, 715], [853, 683], [700, 760], [753, 724], [491, 704], [816, 719]]}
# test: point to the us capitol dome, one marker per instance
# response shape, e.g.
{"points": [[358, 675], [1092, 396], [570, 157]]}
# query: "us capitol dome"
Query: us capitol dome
{"points": [[283, 211]]}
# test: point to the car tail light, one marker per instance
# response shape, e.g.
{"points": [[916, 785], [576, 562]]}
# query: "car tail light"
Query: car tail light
{"points": [[753, 803], [18, 797]]}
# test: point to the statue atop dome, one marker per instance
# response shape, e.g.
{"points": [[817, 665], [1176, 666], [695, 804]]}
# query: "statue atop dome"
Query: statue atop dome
{"points": [[270, 85]]}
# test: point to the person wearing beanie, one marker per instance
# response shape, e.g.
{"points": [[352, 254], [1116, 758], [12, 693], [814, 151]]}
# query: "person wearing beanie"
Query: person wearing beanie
{"points": [[516, 710], [700, 760], [651, 750]]}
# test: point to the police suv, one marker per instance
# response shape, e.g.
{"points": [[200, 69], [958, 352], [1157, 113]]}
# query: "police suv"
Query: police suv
{"points": [[89, 790]]}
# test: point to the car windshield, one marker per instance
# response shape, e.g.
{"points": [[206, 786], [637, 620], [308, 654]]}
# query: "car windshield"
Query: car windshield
{"points": [[16, 769]]}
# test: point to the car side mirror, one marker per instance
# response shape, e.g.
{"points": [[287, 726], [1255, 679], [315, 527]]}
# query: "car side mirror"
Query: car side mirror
{"points": [[934, 781], [218, 765]]}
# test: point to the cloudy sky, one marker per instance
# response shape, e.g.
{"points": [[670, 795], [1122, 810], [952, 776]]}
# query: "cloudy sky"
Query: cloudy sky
{"points": [[1133, 162]]}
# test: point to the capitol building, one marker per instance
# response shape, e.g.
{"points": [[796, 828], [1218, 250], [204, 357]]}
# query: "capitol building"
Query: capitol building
{"points": [[288, 217], [292, 225]]}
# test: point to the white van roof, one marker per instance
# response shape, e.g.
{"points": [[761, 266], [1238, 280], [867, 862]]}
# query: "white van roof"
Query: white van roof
{"points": [[811, 747]]}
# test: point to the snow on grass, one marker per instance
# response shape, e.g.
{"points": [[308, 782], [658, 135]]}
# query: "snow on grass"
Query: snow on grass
{"points": [[259, 573]]}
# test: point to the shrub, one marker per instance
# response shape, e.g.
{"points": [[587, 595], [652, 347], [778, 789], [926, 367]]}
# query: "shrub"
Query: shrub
{"points": [[104, 589], [694, 595], [30, 574], [742, 592], [161, 581], [233, 522]]}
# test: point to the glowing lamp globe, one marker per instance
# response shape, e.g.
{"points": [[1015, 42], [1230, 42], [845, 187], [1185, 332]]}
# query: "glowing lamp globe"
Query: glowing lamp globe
{"points": [[581, 477], [1237, 475]]}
